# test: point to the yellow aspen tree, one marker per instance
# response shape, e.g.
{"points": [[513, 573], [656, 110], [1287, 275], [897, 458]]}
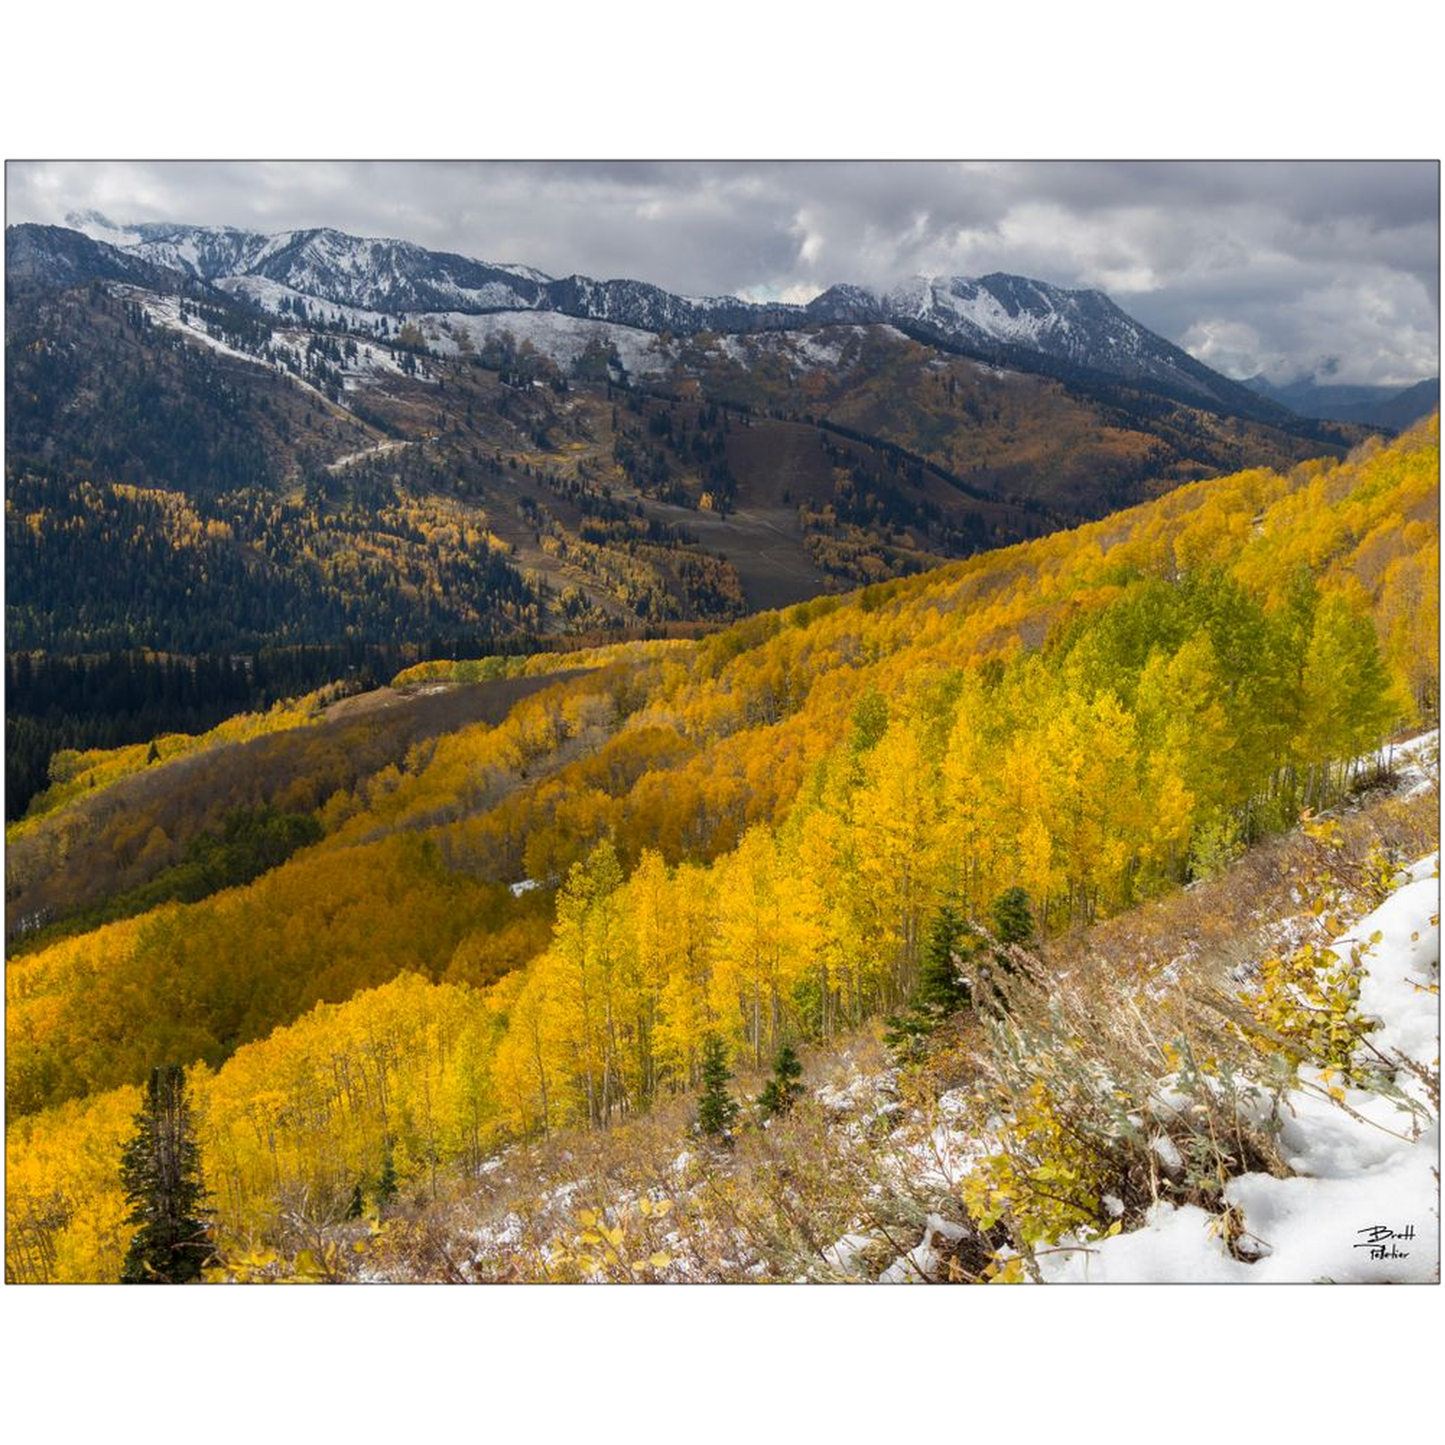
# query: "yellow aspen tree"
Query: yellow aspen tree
{"points": [[893, 815]]}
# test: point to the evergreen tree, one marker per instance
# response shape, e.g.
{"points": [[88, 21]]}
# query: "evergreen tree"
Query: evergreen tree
{"points": [[1013, 920], [387, 1187], [941, 989], [356, 1206], [161, 1172], [1013, 923], [716, 1108], [951, 943], [783, 1088], [153, 755]]}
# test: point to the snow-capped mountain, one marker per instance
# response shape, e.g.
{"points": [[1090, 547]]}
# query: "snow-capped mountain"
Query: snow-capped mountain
{"points": [[380, 275], [59, 257], [1083, 328], [636, 303], [999, 317], [99, 227]]}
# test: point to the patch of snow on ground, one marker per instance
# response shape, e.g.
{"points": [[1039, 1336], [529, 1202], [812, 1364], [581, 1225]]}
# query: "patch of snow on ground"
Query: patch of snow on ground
{"points": [[1416, 762], [560, 338], [924, 1262], [379, 450], [848, 1254], [1363, 1203]]}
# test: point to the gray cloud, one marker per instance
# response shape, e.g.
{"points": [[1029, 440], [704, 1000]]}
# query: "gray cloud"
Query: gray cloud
{"points": [[1281, 267]]}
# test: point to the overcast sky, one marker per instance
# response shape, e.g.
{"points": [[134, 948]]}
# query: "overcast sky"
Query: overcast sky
{"points": [[1286, 268]]}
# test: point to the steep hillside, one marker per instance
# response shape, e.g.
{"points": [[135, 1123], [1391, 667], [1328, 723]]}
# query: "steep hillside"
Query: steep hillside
{"points": [[749, 837], [307, 469]]}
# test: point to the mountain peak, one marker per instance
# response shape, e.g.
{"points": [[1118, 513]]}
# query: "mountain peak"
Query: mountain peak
{"points": [[99, 227], [1000, 317]]}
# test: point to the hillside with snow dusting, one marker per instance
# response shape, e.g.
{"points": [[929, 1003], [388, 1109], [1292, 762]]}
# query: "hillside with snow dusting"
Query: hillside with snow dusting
{"points": [[999, 316]]}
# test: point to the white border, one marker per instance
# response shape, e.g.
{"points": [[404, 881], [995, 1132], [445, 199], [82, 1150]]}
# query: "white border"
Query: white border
{"points": [[749, 79]]}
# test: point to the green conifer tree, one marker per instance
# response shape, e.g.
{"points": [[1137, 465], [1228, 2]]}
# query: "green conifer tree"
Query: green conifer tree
{"points": [[951, 944], [782, 1089], [716, 1108], [1013, 923], [1013, 919], [387, 1187], [161, 1172], [942, 988]]}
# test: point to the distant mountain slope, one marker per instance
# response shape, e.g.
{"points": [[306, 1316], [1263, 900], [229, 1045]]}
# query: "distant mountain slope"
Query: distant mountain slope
{"points": [[1382, 406], [1077, 334], [533, 470], [1083, 328], [55, 257], [1406, 407], [391, 276]]}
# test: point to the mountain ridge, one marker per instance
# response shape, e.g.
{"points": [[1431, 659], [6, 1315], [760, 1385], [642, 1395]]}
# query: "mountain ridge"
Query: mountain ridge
{"points": [[1391, 407], [999, 316]]}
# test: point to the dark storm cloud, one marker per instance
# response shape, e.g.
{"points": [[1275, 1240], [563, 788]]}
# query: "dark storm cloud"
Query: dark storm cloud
{"points": [[1282, 267]]}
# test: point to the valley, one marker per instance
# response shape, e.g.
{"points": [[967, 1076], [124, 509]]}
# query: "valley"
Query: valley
{"points": [[585, 782], [539, 884]]}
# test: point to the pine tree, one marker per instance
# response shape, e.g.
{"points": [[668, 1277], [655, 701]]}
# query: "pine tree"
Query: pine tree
{"points": [[386, 1186], [1013, 923], [1013, 920], [941, 990], [161, 1172], [951, 943], [716, 1108], [153, 755], [782, 1089], [356, 1206]]}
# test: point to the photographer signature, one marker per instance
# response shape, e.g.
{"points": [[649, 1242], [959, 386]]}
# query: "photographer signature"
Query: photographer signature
{"points": [[1383, 1242]]}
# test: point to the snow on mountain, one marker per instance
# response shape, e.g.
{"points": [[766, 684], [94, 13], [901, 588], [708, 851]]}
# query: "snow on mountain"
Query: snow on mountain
{"points": [[287, 350], [561, 338], [832, 348], [375, 274], [997, 308], [57, 256], [282, 300], [1083, 328], [99, 227], [204, 252], [396, 276], [998, 317]]}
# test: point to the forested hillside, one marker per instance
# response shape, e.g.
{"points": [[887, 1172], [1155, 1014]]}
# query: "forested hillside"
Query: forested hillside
{"points": [[249, 478], [547, 917]]}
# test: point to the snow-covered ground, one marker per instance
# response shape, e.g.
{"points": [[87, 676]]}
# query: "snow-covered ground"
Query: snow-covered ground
{"points": [[279, 300], [1363, 1202], [560, 338], [381, 449], [1415, 762], [371, 360]]}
